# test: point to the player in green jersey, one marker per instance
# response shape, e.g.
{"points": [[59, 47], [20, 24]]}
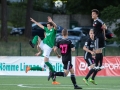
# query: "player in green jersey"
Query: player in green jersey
{"points": [[46, 45]]}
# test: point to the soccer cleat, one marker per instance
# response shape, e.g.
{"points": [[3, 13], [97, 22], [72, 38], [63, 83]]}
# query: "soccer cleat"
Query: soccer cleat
{"points": [[93, 81], [77, 87], [55, 83], [102, 67], [31, 44], [97, 68], [86, 81], [27, 69]]}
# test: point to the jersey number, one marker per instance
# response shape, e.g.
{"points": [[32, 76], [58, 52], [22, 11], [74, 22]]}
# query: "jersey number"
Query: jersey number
{"points": [[63, 48]]}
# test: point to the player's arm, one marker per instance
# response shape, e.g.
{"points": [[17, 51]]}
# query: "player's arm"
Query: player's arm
{"points": [[56, 52], [72, 46], [104, 29], [39, 51], [40, 25], [50, 20]]}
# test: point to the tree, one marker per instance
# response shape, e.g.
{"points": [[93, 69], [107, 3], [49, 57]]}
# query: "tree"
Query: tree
{"points": [[4, 35], [28, 27], [85, 6], [110, 15], [17, 14]]}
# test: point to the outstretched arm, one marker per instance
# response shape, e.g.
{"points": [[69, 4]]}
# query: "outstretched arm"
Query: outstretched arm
{"points": [[56, 52], [50, 20], [40, 25]]}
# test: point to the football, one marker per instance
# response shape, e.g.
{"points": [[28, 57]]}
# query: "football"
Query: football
{"points": [[58, 4]]}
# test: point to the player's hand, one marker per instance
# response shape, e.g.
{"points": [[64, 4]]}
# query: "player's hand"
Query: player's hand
{"points": [[105, 38], [59, 56], [49, 19], [32, 20], [37, 54], [93, 53]]}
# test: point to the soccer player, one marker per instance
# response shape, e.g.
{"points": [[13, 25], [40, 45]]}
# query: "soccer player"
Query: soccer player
{"points": [[89, 51], [99, 31], [46, 45], [65, 45]]}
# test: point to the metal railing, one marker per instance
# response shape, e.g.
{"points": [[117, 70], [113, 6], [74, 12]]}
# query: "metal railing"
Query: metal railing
{"points": [[24, 49]]}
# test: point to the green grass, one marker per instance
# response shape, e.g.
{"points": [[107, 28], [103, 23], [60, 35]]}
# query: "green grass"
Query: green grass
{"points": [[41, 83]]}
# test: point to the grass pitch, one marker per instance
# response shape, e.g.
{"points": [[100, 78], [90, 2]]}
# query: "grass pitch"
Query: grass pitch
{"points": [[41, 83]]}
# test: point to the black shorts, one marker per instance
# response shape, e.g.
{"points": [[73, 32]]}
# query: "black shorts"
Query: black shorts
{"points": [[67, 65], [99, 42], [90, 61]]}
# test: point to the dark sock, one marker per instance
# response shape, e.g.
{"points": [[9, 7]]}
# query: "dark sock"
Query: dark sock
{"points": [[89, 73], [59, 74], [73, 79], [54, 79], [50, 66], [101, 59], [97, 58], [94, 74], [36, 68]]}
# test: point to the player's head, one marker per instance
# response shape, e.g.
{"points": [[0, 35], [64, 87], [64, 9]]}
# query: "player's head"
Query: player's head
{"points": [[95, 13], [64, 32], [91, 33], [49, 25]]}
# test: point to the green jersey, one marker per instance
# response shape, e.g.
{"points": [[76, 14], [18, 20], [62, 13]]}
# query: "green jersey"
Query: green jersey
{"points": [[50, 37]]}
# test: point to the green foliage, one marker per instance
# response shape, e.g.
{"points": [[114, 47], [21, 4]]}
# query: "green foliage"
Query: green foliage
{"points": [[43, 5], [85, 6], [110, 15], [18, 14]]}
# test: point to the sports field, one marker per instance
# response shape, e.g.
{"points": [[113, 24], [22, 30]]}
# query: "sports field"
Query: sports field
{"points": [[41, 83]]}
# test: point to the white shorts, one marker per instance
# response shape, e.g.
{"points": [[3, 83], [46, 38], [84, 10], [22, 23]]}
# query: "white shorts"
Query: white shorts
{"points": [[46, 49]]}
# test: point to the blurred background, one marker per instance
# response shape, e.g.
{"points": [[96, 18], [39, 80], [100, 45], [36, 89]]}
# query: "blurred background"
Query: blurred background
{"points": [[16, 29]]}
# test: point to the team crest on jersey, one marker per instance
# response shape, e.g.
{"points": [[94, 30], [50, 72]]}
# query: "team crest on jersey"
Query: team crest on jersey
{"points": [[86, 43], [50, 29]]}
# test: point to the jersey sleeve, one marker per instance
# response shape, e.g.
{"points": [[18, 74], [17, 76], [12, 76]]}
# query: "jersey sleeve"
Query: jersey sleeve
{"points": [[87, 42], [101, 21], [71, 45], [45, 28], [57, 44]]}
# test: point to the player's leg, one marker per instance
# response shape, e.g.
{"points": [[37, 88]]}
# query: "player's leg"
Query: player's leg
{"points": [[34, 68], [46, 53], [102, 45], [54, 74], [99, 56], [34, 41], [91, 64], [92, 80], [73, 79]]}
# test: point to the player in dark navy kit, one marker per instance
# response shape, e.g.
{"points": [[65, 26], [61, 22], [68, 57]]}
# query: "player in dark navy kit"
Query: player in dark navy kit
{"points": [[99, 31], [89, 51], [65, 45]]}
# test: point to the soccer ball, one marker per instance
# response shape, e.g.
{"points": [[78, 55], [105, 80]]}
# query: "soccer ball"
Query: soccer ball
{"points": [[58, 4]]}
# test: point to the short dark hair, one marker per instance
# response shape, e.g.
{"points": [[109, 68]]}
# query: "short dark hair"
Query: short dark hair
{"points": [[96, 11], [50, 23], [64, 32]]}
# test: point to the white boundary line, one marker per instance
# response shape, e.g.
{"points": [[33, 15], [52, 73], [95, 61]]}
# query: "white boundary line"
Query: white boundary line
{"points": [[59, 86], [56, 87]]}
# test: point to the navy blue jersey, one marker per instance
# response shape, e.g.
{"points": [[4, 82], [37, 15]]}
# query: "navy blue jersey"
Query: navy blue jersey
{"points": [[90, 45], [65, 46], [97, 27]]}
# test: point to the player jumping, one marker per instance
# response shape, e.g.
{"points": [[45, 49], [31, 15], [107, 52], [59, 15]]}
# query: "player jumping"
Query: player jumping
{"points": [[46, 45], [99, 31]]}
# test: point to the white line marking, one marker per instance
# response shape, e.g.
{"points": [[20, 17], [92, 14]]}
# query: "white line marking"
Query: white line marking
{"points": [[23, 85]]}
